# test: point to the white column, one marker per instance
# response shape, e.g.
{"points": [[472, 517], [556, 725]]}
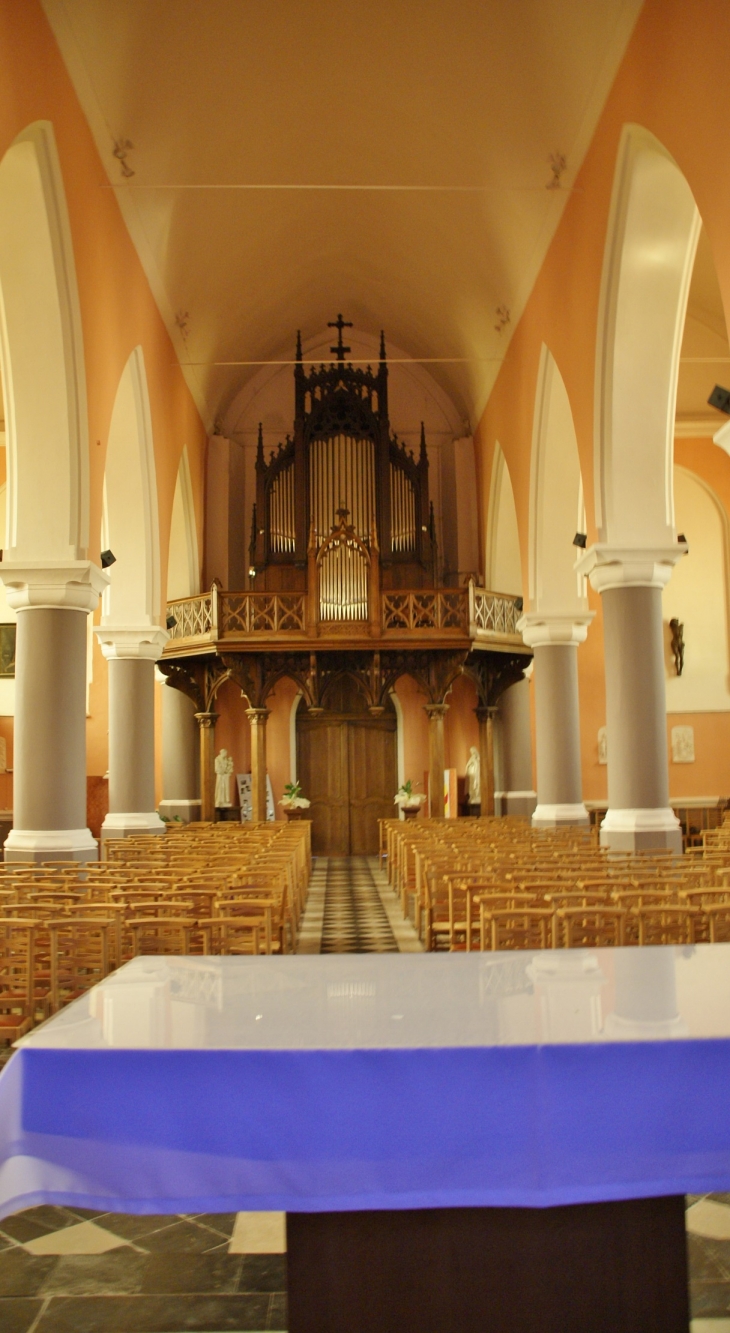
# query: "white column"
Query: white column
{"points": [[52, 600], [554, 640], [131, 654], [180, 757], [630, 582]]}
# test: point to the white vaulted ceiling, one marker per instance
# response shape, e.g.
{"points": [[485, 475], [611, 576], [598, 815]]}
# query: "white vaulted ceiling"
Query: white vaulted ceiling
{"points": [[367, 93]]}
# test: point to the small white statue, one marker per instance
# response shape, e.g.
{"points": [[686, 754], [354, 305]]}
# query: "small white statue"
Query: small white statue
{"points": [[223, 775], [602, 745], [474, 777]]}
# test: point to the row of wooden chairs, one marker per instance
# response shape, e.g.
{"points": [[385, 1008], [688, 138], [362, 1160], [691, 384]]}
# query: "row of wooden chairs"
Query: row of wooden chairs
{"points": [[499, 884], [65, 926]]}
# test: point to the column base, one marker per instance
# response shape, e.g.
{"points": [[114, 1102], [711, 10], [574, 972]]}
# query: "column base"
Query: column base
{"points": [[180, 811], [515, 802], [617, 1028], [556, 816], [131, 825], [641, 831], [64, 844]]}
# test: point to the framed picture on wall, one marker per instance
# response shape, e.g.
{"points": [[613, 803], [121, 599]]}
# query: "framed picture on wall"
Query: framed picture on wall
{"points": [[7, 651]]}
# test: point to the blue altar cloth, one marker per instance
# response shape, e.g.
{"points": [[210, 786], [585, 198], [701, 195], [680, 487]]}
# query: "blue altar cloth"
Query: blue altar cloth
{"points": [[373, 1081]]}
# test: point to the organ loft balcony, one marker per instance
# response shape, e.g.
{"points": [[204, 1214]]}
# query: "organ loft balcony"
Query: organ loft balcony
{"points": [[469, 618]]}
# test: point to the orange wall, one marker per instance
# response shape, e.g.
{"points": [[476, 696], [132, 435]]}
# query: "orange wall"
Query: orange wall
{"points": [[673, 81], [415, 731], [118, 311], [461, 729]]}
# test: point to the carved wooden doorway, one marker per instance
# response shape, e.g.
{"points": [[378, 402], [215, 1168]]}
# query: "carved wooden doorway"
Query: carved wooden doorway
{"points": [[346, 764]]}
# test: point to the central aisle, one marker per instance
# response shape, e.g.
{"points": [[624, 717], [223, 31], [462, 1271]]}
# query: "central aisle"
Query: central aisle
{"points": [[352, 909]]}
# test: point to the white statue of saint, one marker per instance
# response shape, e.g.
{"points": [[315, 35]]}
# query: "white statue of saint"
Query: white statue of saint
{"points": [[223, 774], [473, 777]]}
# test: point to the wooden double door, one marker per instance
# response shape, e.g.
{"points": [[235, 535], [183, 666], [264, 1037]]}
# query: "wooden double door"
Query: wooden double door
{"points": [[346, 764]]}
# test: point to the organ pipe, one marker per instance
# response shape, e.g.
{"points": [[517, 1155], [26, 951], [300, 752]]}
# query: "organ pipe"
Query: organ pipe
{"points": [[342, 473], [343, 583], [402, 511], [281, 512]]}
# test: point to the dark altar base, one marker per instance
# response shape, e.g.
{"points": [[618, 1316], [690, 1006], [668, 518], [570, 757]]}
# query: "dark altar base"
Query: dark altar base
{"points": [[617, 1267]]}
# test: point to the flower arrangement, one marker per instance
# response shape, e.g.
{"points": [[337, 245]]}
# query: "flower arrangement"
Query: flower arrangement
{"points": [[292, 798], [408, 799]]}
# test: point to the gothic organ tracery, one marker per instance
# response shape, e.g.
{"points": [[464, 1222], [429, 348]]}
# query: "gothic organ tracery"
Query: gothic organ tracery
{"points": [[342, 464]]}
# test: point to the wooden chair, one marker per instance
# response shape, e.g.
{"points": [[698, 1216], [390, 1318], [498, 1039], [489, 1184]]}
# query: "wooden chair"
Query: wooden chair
{"points": [[17, 937], [166, 935], [233, 935], [589, 927], [663, 925], [79, 957], [515, 928]]}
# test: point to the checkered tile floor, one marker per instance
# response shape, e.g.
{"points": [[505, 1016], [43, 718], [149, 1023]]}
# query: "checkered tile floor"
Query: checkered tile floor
{"points": [[354, 917], [63, 1271], [352, 909]]}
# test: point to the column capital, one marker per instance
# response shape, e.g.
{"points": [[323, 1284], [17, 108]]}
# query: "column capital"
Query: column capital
{"points": [[436, 710], [629, 566], [486, 711], [257, 715], [73, 585], [546, 627], [144, 643], [206, 720]]}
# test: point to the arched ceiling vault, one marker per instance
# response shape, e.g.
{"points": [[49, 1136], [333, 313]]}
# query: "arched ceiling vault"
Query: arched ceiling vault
{"points": [[437, 93]]}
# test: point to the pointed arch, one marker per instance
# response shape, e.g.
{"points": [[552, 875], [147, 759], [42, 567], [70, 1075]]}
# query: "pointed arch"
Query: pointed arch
{"points": [[556, 497], [503, 565], [652, 235], [183, 563], [131, 515], [41, 349]]}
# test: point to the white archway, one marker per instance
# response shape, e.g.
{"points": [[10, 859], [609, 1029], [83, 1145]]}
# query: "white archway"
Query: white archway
{"points": [[130, 635], [556, 499], [503, 564], [41, 349], [180, 766], [558, 619], [49, 580], [653, 230], [652, 236], [130, 506], [183, 566]]}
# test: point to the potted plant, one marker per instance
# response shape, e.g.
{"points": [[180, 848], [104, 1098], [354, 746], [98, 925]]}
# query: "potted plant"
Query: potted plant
{"points": [[408, 800], [292, 802]]}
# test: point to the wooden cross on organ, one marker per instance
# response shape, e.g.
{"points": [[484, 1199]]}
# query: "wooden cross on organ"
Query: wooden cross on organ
{"points": [[340, 350]]}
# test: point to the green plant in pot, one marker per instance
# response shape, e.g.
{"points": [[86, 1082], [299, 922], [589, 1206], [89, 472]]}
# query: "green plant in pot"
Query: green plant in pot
{"points": [[409, 800], [292, 802]]}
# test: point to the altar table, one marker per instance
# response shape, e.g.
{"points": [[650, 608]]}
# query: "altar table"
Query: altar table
{"points": [[474, 1141]]}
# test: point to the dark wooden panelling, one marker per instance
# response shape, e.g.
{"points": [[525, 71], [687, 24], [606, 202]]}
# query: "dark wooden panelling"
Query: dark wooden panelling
{"points": [[372, 781], [347, 768]]}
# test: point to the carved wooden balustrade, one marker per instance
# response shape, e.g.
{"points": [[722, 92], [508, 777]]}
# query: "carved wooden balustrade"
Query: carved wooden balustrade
{"points": [[468, 615]]}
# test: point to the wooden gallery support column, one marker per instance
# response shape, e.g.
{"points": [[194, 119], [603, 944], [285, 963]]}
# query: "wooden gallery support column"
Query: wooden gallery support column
{"points": [[206, 722], [485, 718], [258, 717], [436, 714]]}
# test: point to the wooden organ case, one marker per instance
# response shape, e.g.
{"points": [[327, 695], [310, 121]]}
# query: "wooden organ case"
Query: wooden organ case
{"points": [[342, 499]]}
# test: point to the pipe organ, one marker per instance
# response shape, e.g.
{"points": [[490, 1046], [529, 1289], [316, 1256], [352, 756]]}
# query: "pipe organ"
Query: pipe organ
{"points": [[344, 490]]}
